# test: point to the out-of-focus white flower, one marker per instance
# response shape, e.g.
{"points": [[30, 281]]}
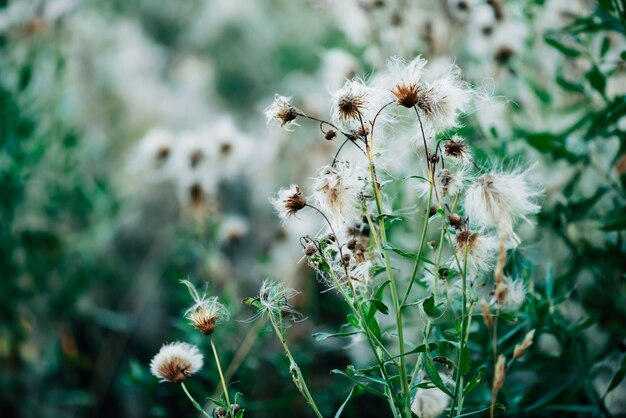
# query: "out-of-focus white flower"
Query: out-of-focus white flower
{"points": [[429, 403], [336, 190], [152, 156], [510, 294], [233, 228], [281, 112], [288, 201], [175, 362], [499, 199]]}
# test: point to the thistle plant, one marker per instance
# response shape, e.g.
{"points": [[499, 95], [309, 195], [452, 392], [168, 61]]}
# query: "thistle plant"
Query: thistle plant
{"points": [[178, 361], [470, 208]]}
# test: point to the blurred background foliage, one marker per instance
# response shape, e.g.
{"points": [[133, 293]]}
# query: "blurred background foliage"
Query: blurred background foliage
{"points": [[94, 239]]}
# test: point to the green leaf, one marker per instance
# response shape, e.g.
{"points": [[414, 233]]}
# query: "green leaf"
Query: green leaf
{"points": [[429, 306], [358, 383], [478, 377], [321, 336], [617, 377], [354, 321], [564, 49], [380, 305], [597, 79], [497, 407], [412, 256], [433, 374], [355, 391]]}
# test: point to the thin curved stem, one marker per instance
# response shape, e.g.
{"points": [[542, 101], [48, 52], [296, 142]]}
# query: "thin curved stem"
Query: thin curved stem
{"points": [[219, 369], [421, 247], [193, 401]]}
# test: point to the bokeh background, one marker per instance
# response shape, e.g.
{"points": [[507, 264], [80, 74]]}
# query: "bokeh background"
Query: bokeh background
{"points": [[134, 153]]}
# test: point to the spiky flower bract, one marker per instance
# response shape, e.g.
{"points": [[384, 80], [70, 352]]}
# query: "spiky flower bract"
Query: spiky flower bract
{"points": [[175, 362]]}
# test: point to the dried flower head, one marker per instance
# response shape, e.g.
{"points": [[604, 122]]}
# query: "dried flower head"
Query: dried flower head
{"points": [[273, 300], [206, 312], [510, 294], [336, 190], [499, 199], [456, 221], [457, 149], [521, 348], [404, 79], [281, 112], [481, 251], [350, 101], [288, 201], [175, 362]]}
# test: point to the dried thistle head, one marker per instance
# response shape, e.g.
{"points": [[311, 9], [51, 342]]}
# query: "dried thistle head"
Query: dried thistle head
{"points": [[456, 148], [407, 95], [521, 348], [273, 300], [206, 312], [175, 362], [456, 221], [281, 112], [288, 201]]}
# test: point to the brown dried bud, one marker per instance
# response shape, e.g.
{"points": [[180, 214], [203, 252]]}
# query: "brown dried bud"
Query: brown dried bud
{"points": [[310, 250], [484, 306], [455, 148], [456, 221], [203, 320], [295, 201], [432, 211], [330, 135], [521, 348], [351, 245], [504, 55], [499, 374], [465, 239], [433, 244], [220, 412]]}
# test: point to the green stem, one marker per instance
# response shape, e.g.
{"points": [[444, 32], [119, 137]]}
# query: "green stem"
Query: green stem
{"points": [[406, 408], [219, 369], [193, 401], [293, 366], [458, 392], [419, 252]]}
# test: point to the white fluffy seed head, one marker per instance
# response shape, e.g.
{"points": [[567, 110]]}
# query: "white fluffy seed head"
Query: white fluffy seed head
{"points": [[206, 312], [281, 112], [336, 189], [175, 362], [355, 105], [510, 294], [481, 251], [498, 200], [288, 201]]}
